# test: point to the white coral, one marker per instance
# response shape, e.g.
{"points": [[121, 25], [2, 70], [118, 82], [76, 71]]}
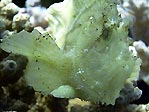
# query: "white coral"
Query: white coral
{"points": [[138, 13], [143, 53]]}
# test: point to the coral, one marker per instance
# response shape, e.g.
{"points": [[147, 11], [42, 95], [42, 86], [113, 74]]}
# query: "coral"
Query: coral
{"points": [[76, 102], [58, 102], [3, 3], [5, 24], [41, 104], [5, 34], [21, 21], [11, 69], [11, 19], [138, 108], [110, 108], [19, 90], [129, 94], [143, 53], [32, 3], [9, 10], [2, 24], [139, 11], [81, 39], [37, 13], [18, 106], [22, 98], [14, 18], [77, 108], [8, 102]]}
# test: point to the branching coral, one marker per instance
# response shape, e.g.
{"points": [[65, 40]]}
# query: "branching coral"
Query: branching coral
{"points": [[21, 21], [143, 53], [11, 19], [14, 18], [37, 13], [129, 94], [139, 10]]}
